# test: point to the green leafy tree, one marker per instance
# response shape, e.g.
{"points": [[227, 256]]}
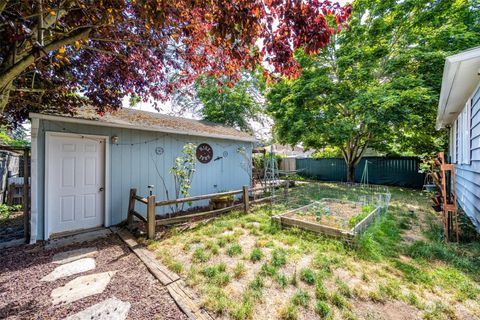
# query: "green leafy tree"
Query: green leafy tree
{"points": [[377, 83], [231, 104], [13, 137]]}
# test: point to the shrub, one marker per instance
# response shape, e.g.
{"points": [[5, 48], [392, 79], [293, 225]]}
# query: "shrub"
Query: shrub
{"points": [[234, 249], [320, 291], [343, 288], [257, 283], [221, 242], [239, 270], [213, 247], [199, 255], [338, 300], [281, 280], [216, 300], [301, 298], [307, 276], [256, 255], [279, 257], [289, 312], [322, 309], [268, 270]]}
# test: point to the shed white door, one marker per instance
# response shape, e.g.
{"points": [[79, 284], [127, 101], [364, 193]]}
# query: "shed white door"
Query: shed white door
{"points": [[75, 179]]}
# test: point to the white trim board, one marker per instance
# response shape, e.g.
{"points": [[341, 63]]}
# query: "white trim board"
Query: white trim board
{"points": [[106, 139], [34, 182], [135, 127]]}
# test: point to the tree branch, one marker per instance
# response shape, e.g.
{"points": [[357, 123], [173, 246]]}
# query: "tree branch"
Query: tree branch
{"points": [[105, 51], [3, 5], [7, 77]]}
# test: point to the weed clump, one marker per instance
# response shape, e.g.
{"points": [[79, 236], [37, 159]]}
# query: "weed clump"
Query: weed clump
{"points": [[256, 255], [234, 250], [307, 276]]}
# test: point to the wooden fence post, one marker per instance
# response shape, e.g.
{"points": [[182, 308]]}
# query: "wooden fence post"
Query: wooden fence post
{"points": [[151, 217], [131, 207], [245, 199]]}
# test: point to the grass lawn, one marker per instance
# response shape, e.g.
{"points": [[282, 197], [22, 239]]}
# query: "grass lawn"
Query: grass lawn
{"points": [[244, 267]]}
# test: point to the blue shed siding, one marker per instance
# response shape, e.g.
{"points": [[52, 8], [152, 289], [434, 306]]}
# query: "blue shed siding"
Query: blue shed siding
{"points": [[134, 164], [468, 175]]}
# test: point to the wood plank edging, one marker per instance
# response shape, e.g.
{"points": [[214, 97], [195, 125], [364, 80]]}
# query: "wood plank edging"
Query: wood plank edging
{"points": [[172, 281]]}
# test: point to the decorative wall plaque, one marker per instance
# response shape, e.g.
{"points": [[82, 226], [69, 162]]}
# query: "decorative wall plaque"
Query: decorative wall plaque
{"points": [[159, 150], [204, 153]]}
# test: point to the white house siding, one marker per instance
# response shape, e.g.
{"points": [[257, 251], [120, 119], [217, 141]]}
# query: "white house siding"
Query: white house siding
{"points": [[468, 175], [132, 165]]}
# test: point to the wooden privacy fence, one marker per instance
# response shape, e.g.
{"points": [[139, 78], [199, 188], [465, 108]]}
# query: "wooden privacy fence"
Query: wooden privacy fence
{"points": [[151, 220]]}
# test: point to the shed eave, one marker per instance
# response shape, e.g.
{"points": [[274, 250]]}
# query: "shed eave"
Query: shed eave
{"points": [[460, 77], [33, 115]]}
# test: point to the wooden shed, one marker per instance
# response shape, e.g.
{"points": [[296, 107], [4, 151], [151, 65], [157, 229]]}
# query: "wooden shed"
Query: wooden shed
{"points": [[83, 166]]}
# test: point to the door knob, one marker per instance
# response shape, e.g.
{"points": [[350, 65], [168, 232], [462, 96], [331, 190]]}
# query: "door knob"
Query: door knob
{"points": [[101, 189]]}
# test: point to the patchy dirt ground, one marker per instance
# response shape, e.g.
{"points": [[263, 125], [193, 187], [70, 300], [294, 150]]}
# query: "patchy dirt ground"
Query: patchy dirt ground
{"points": [[244, 267], [24, 296]]}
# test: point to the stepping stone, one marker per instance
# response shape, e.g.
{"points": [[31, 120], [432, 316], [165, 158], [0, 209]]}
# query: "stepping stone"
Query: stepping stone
{"points": [[72, 255], [71, 268], [106, 310], [81, 287], [78, 238]]}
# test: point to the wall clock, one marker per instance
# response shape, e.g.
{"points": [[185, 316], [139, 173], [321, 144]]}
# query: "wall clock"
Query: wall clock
{"points": [[204, 153]]}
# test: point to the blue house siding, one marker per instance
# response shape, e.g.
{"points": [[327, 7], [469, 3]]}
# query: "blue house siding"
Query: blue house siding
{"points": [[135, 164], [468, 175]]}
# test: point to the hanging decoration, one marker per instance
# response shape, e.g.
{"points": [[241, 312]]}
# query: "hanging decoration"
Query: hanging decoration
{"points": [[204, 153], [159, 151]]}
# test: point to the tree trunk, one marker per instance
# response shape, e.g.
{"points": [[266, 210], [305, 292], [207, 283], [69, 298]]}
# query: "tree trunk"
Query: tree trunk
{"points": [[351, 172]]}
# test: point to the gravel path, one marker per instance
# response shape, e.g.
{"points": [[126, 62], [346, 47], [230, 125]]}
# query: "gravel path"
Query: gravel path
{"points": [[24, 296]]}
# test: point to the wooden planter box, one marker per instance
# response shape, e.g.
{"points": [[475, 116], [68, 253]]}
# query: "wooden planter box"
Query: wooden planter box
{"points": [[285, 221]]}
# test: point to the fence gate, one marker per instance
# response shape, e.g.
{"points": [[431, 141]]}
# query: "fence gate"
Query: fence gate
{"points": [[14, 195]]}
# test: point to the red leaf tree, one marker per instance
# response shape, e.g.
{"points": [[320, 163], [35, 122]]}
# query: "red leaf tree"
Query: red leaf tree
{"points": [[61, 54]]}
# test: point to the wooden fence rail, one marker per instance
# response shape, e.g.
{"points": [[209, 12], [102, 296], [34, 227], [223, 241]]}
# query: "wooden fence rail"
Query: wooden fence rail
{"points": [[152, 222]]}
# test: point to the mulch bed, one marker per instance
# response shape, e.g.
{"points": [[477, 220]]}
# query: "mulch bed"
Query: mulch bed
{"points": [[12, 227], [24, 296]]}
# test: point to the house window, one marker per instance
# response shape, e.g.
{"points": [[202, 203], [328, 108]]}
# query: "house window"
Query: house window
{"points": [[461, 131]]}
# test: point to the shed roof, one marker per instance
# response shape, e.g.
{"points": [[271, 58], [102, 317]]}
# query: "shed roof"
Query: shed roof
{"points": [[149, 121]]}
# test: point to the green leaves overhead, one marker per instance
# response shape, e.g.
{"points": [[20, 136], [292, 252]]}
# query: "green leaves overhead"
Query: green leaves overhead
{"points": [[233, 105], [377, 83]]}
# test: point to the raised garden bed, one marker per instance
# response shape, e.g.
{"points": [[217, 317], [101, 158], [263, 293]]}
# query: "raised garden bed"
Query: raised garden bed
{"points": [[332, 217]]}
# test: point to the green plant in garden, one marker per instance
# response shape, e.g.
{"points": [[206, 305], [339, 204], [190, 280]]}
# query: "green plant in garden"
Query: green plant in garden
{"points": [[6, 210], [322, 309], [256, 255], [182, 171], [366, 210], [234, 249], [307, 276]]}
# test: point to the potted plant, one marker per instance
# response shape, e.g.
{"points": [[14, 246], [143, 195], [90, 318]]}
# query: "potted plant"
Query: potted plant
{"points": [[220, 202], [427, 166]]}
